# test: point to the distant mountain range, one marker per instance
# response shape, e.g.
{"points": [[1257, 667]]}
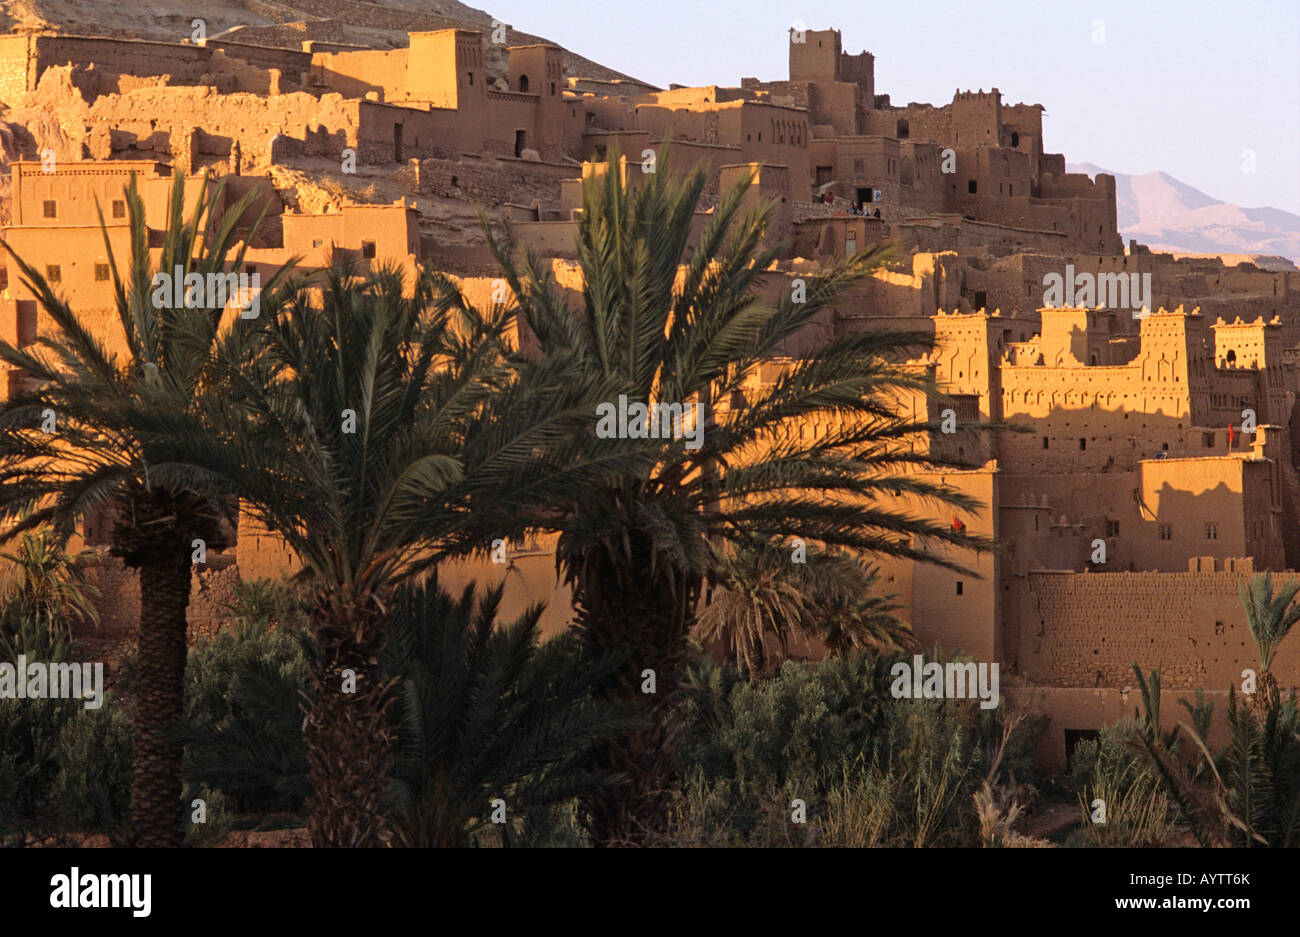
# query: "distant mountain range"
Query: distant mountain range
{"points": [[1159, 211]]}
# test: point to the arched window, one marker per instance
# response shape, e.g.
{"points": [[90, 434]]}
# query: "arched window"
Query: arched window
{"points": [[523, 83]]}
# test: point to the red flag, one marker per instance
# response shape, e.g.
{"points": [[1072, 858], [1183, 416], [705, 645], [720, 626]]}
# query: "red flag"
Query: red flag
{"points": [[957, 525], [1232, 434]]}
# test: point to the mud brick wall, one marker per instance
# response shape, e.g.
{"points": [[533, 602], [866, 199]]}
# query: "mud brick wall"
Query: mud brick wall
{"points": [[213, 589], [184, 63], [289, 62], [495, 182], [1088, 629], [14, 61], [159, 120]]}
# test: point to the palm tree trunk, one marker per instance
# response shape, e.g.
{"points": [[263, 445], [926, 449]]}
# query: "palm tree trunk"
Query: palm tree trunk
{"points": [[620, 609], [758, 659], [348, 735], [156, 808]]}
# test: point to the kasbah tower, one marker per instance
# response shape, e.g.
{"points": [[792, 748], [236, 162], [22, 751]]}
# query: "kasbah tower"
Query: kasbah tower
{"points": [[1158, 468]]}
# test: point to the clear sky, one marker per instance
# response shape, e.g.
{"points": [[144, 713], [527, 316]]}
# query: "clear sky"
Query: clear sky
{"points": [[1182, 86]]}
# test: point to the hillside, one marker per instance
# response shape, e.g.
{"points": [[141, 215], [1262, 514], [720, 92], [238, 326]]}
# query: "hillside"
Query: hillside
{"points": [[282, 22]]}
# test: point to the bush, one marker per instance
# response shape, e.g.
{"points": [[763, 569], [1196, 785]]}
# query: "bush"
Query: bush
{"points": [[214, 811], [29, 754], [243, 726], [29, 728], [871, 770], [269, 603], [1107, 769], [93, 786], [57, 758]]}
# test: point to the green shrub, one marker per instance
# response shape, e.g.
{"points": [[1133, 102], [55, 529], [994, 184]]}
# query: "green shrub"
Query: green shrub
{"points": [[29, 754], [243, 725], [29, 728], [1137, 812], [871, 770], [57, 758], [93, 786], [277, 603], [215, 814]]}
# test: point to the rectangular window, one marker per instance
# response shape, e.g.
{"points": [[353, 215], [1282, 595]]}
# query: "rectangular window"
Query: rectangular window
{"points": [[51, 208], [101, 273], [368, 250], [1211, 531], [970, 186], [1044, 442], [1112, 528], [119, 208], [1083, 444], [54, 273], [1208, 439], [959, 587], [1166, 531]]}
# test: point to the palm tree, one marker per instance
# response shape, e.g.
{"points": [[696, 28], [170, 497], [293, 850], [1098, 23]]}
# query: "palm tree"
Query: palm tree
{"points": [[128, 438], [1248, 793], [758, 591], [50, 584], [488, 713], [850, 611], [484, 711], [755, 599], [380, 430], [1270, 619], [635, 544]]}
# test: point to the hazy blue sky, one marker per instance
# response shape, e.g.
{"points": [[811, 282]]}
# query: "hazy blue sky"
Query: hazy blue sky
{"points": [[1182, 87]]}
